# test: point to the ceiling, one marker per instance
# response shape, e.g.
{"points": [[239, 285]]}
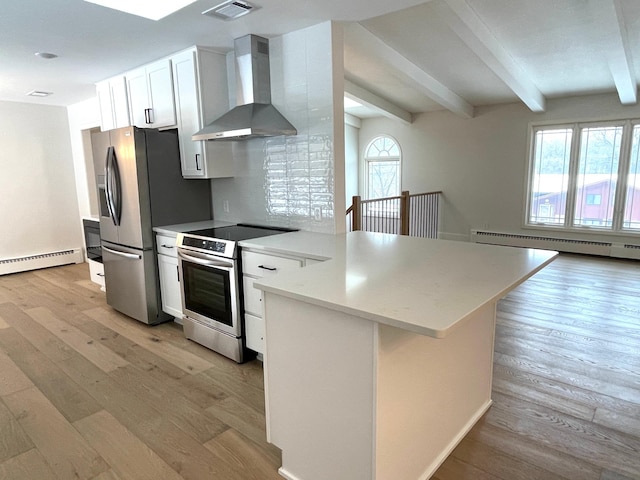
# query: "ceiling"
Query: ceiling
{"points": [[401, 58]]}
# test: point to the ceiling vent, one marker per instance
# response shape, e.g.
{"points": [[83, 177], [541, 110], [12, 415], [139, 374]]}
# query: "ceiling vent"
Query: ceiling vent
{"points": [[230, 10]]}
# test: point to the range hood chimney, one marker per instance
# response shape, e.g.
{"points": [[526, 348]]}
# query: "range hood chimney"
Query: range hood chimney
{"points": [[254, 115]]}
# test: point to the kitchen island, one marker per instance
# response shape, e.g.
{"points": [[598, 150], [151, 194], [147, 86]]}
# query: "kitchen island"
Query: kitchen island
{"points": [[379, 361]]}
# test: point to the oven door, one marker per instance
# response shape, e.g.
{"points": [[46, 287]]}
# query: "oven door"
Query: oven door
{"points": [[210, 291]]}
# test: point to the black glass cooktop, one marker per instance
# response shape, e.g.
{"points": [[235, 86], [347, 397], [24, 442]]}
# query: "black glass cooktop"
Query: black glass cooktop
{"points": [[239, 232]]}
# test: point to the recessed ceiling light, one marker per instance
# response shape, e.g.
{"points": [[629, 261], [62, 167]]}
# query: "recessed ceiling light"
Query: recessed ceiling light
{"points": [[38, 93], [46, 55], [151, 9], [230, 10]]}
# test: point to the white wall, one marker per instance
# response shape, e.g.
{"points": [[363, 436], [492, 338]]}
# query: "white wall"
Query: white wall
{"points": [[480, 163], [351, 157], [39, 211], [295, 181]]}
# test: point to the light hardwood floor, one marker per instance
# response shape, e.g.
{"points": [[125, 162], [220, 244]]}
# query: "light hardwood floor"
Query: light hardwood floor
{"points": [[87, 393]]}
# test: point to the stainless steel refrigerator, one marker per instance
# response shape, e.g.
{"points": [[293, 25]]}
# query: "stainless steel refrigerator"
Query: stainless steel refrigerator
{"points": [[140, 186]]}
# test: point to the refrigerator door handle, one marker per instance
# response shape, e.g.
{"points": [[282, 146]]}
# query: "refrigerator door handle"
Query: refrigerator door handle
{"points": [[107, 183], [131, 256], [114, 199]]}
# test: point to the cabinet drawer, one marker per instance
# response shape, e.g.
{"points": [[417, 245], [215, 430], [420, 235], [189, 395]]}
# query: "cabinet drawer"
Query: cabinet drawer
{"points": [[96, 271], [254, 331], [166, 245], [262, 265], [252, 297]]}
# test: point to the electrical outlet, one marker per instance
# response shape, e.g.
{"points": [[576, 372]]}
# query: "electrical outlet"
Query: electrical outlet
{"points": [[225, 206], [317, 214]]}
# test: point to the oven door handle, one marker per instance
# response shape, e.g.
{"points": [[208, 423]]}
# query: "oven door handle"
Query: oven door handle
{"points": [[206, 261]]}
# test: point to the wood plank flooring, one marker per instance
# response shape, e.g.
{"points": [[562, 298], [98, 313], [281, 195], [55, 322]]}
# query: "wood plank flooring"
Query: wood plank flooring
{"points": [[566, 386], [87, 393]]}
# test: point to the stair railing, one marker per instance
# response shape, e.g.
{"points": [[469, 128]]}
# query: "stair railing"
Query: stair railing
{"points": [[416, 215]]}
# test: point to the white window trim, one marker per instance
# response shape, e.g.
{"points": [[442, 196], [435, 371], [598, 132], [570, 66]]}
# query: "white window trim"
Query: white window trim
{"points": [[366, 161], [620, 194]]}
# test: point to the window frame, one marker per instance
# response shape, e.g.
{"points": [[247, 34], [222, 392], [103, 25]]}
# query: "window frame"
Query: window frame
{"points": [[621, 187], [366, 161]]}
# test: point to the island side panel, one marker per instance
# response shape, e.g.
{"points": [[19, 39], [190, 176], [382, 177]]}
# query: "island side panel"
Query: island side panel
{"points": [[430, 392], [319, 382]]}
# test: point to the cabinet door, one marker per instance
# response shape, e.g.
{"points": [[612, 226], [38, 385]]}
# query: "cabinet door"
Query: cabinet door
{"points": [[170, 285], [120, 103], [254, 333], [252, 297], [188, 113], [114, 107], [138, 97], [161, 100], [107, 120], [200, 87]]}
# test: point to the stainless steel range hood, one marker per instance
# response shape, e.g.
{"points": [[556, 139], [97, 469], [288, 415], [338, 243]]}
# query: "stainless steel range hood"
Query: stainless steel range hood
{"points": [[254, 116]]}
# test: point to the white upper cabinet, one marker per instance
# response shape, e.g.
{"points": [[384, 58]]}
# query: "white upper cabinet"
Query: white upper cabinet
{"points": [[186, 90], [200, 85], [114, 107], [150, 91]]}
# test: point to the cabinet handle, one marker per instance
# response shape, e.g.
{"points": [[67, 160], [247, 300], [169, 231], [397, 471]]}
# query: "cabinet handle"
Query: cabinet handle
{"points": [[167, 246], [147, 115], [100, 274], [264, 267], [198, 162], [178, 271]]}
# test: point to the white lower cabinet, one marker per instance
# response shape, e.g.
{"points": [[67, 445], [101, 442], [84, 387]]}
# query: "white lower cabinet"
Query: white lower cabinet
{"points": [[96, 272], [254, 332], [169, 276], [257, 265]]}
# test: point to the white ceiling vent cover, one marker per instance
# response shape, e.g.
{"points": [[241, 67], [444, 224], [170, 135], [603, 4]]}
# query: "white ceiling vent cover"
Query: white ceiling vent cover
{"points": [[230, 10]]}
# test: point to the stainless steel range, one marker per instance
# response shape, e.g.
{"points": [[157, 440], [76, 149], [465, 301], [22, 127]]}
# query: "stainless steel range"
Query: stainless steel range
{"points": [[211, 283]]}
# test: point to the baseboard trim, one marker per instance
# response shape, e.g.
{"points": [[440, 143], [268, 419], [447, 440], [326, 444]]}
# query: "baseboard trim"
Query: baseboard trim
{"points": [[40, 260]]}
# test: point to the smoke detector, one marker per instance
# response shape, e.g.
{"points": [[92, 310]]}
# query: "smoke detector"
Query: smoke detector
{"points": [[230, 10]]}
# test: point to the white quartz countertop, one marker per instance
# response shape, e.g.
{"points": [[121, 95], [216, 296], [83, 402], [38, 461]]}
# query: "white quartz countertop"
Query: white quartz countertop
{"points": [[422, 285], [318, 246], [173, 230]]}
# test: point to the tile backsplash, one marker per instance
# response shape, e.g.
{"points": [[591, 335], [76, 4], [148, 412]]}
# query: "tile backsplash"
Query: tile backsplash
{"points": [[298, 180], [289, 181]]}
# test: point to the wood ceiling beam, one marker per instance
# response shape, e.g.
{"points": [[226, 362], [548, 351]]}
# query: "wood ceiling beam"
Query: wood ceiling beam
{"points": [[609, 14], [371, 100], [464, 21], [431, 87]]}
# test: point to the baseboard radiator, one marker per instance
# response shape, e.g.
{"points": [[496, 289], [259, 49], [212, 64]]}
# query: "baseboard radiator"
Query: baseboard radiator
{"points": [[608, 249], [40, 260]]}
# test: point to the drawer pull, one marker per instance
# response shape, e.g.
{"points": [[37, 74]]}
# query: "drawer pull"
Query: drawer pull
{"points": [[264, 267], [167, 246]]}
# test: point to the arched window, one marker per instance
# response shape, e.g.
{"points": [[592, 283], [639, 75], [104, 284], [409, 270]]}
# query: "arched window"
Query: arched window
{"points": [[382, 168]]}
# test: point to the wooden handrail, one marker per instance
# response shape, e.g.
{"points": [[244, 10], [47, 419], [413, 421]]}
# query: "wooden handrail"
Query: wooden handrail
{"points": [[439, 192]]}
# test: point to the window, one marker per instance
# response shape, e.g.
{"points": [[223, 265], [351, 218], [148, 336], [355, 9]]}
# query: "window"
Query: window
{"points": [[382, 168], [585, 176], [593, 199]]}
